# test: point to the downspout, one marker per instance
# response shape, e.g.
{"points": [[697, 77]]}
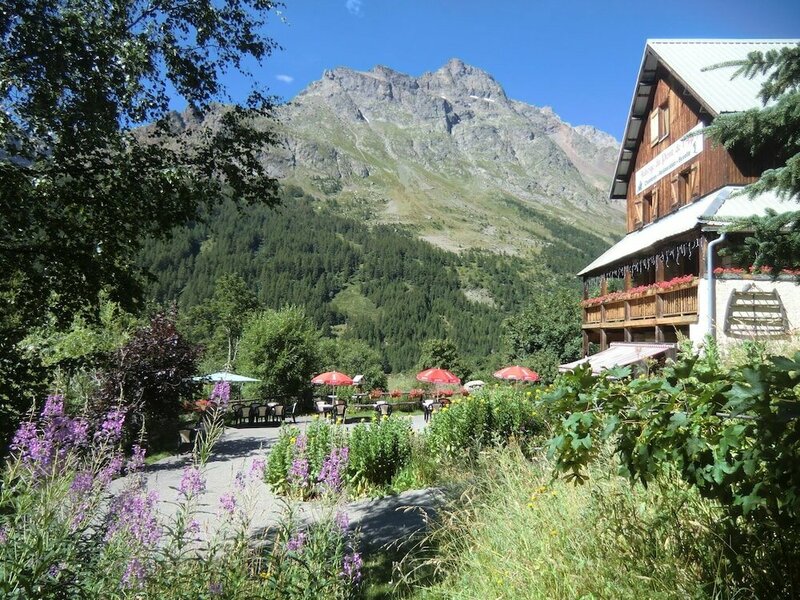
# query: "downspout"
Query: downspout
{"points": [[712, 308]]}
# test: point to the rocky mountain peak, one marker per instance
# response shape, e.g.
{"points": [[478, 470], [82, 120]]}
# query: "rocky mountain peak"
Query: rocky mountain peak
{"points": [[457, 79], [446, 152]]}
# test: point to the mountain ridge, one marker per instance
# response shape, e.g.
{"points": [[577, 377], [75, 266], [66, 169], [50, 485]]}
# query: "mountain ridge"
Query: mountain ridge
{"points": [[440, 151]]}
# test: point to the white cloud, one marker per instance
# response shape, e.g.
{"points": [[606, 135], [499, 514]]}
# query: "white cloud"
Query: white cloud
{"points": [[354, 7], [284, 78]]}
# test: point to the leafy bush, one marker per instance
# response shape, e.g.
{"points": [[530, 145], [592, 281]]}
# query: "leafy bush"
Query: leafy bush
{"points": [[378, 450], [733, 434], [326, 457], [304, 464], [483, 419], [151, 374]]}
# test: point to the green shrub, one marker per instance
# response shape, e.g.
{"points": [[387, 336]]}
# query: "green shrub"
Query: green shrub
{"points": [[483, 419], [378, 450]]}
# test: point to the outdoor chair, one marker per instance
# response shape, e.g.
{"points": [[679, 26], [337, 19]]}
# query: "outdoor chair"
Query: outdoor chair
{"points": [[278, 413], [323, 408], [430, 408], [263, 412], [238, 414], [340, 410], [384, 409], [252, 414], [185, 440], [293, 411]]}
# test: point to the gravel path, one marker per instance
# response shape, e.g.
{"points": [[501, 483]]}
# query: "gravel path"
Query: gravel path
{"points": [[381, 521]]}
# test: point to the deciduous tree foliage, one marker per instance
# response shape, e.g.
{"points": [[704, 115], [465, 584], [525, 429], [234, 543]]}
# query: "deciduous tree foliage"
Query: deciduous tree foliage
{"points": [[219, 321], [551, 322], [281, 348], [80, 182], [442, 354], [151, 374], [769, 136]]}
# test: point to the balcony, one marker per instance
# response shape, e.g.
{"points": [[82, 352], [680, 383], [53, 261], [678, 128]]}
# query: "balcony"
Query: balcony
{"points": [[672, 305]]}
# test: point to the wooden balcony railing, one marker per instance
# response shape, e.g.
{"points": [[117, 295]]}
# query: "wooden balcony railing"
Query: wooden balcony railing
{"points": [[676, 305]]}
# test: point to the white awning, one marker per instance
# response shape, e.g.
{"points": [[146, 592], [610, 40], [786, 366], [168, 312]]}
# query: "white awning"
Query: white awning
{"points": [[619, 354], [717, 209]]}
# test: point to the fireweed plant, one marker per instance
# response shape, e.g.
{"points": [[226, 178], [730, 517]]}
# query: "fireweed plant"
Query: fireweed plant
{"points": [[326, 459], [67, 531]]}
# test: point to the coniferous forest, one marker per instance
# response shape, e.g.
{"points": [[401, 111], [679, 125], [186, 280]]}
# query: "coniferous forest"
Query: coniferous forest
{"points": [[379, 284]]}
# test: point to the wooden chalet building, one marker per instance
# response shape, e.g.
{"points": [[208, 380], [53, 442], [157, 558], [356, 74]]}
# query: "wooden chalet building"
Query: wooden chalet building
{"points": [[680, 191]]}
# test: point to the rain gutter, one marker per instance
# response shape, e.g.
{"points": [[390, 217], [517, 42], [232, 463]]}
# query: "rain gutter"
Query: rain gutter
{"points": [[712, 308]]}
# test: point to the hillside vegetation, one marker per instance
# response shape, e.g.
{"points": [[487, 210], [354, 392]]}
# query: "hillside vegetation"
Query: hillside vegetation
{"points": [[379, 283]]}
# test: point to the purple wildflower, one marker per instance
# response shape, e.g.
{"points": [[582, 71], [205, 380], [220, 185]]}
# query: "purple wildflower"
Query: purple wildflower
{"points": [[133, 513], [239, 481], [82, 483], [342, 521], [296, 542], [32, 448], [134, 574], [111, 427], [193, 528], [136, 462], [300, 443], [3, 535], [257, 468], [228, 502], [222, 393], [192, 482], [351, 567], [111, 470], [55, 569], [53, 406], [215, 588], [333, 468], [77, 432], [298, 472]]}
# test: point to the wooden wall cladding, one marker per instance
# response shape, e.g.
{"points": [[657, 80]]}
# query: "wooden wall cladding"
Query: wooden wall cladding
{"points": [[714, 168]]}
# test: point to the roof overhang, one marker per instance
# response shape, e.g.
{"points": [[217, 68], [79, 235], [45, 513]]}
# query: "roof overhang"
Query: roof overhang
{"points": [[620, 354]]}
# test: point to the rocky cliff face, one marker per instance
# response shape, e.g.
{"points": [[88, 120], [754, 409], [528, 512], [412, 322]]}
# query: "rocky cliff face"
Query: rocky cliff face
{"points": [[447, 153]]}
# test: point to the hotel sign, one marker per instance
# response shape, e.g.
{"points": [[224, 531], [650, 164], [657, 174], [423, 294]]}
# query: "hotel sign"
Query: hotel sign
{"points": [[686, 148]]}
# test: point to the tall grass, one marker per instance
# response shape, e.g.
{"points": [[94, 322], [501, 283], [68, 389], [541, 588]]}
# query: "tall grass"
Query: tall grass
{"points": [[514, 533]]}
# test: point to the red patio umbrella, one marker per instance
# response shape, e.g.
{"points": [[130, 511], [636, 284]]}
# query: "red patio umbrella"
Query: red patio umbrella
{"points": [[437, 376], [517, 373], [332, 378]]}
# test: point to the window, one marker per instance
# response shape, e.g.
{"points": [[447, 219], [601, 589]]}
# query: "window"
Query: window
{"points": [[686, 186], [659, 123], [645, 208]]}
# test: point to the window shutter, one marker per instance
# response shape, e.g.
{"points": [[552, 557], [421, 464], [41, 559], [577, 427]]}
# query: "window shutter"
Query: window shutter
{"points": [[654, 126], [675, 186], [664, 121], [637, 212], [694, 181], [654, 204]]}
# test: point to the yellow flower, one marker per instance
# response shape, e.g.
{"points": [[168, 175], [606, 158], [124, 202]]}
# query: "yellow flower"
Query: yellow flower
{"points": [[338, 420], [293, 439], [527, 393]]}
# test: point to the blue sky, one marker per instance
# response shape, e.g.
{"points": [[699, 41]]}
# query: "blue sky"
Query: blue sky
{"points": [[580, 57]]}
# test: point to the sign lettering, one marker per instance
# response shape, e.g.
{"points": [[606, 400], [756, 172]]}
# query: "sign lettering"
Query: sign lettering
{"points": [[686, 148]]}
